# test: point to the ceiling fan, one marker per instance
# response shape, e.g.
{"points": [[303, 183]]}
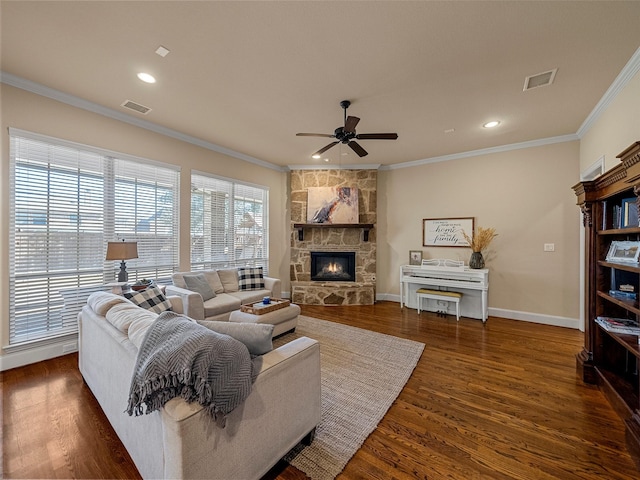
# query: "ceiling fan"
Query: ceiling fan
{"points": [[348, 135]]}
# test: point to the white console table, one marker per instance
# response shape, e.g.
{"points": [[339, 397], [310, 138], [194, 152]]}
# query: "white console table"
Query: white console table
{"points": [[472, 283]]}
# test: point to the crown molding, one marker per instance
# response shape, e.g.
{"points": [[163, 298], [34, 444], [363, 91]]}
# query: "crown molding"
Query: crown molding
{"points": [[372, 166], [626, 74], [39, 89], [485, 151]]}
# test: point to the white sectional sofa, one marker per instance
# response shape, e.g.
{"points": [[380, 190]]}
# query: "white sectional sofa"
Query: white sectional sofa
{"points": [[181, 440], [229, 294]]}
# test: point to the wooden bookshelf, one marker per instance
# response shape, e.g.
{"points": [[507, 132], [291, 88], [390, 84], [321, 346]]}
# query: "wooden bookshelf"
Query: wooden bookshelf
{"points": [[610, 360]]}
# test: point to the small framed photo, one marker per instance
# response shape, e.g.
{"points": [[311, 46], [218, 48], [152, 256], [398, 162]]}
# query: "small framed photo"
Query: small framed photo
{"points": [[623, 252], [415, 257]]}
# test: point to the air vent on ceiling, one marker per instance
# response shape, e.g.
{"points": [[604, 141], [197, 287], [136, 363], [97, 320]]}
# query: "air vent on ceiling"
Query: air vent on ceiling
{"points": [[539, 80], [136, 106]]}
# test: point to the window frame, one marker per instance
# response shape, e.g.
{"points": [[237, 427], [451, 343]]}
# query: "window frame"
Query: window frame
{"points": [[245, 238], [67, 288]]}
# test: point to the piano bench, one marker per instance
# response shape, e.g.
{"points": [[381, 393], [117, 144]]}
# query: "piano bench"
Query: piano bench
{"points": [[442, 295]]}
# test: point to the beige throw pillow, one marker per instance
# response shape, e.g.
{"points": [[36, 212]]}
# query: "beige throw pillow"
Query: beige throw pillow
{"points": [[229, 278]]}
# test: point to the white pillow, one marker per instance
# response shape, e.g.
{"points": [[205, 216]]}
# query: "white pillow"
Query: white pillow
{"points": [[123, 315], [101, 302], [229, 279]]}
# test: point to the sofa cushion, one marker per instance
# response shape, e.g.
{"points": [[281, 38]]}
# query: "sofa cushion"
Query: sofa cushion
{"points": [[247, 297], [250, 278], [220, 304], [256, 337], [151, 299], [198, 283], [101, 302], [123, 315], [229, 279], [138, 328]]}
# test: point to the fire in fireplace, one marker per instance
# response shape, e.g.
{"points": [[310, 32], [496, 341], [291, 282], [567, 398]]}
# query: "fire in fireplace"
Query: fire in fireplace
{"points": [[333, 266]]}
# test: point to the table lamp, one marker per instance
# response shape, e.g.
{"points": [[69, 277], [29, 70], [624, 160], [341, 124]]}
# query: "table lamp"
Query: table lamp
{"points": [[122, 251]]}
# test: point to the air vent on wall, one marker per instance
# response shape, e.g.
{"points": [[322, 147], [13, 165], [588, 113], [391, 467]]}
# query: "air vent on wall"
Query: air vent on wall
{"points": [[539, 80], [136, 106]]}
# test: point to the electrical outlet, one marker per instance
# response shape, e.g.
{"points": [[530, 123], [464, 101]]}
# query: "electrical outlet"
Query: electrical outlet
{"points": [[549, 247]]}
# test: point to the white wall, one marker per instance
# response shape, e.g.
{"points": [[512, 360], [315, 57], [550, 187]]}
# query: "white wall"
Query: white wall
{"points": [[616, 128], [525, 194]]}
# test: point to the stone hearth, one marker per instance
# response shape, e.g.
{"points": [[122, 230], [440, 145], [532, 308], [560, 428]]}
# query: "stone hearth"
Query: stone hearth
{"points": [[305, 291]]}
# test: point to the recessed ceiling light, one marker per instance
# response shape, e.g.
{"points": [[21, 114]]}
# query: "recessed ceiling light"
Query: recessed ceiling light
{"points": [[493, 123], [147, 78], [315, 156], [326, 160]]}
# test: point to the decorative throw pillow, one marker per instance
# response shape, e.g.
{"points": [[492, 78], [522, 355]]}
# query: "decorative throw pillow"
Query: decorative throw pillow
{"points": [[250, 278], [198, 283], [255, 336], [151, 299], [229, 279]]}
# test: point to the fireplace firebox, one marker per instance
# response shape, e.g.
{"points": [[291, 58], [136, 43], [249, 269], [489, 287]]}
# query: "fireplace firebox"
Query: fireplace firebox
{"points": [[333, 266]]}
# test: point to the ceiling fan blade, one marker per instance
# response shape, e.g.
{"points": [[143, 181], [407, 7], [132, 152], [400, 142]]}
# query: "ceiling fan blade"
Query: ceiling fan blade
{"points": [[314, 135], [358, 149], [377, 136], [350, 124], [324, 149]]}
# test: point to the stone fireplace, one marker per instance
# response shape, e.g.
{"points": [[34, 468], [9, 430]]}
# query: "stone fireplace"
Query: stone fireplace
{"points": [[333, 266], [333, 242]]}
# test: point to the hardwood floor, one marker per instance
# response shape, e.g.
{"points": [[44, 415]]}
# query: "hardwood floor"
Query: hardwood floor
{"points": [[494, 401]]}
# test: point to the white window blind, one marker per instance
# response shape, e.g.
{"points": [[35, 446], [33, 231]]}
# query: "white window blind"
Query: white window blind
{"points": [[229, 223], [66, 203]]}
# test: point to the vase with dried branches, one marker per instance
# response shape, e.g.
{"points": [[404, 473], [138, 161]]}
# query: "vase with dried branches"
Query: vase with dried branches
{"points": [[479, 242]]}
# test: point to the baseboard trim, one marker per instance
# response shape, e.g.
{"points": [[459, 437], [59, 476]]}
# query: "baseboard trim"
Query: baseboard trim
{"points": [[543, 319], [38, 354], [554, 320]]}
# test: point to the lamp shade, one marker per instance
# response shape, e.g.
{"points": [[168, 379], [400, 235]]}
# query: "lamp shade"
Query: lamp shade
{"points": [[122, 250]]}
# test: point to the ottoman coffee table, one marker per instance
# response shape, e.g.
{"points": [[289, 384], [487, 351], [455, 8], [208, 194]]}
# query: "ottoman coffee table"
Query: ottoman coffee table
{"points": [[281, 313]]}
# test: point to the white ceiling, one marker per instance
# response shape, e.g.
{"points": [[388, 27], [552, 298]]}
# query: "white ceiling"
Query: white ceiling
{"points": [[247, 76]]}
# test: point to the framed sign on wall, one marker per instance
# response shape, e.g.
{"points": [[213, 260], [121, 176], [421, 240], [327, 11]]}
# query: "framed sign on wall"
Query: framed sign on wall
{"points": [[446, 232]]}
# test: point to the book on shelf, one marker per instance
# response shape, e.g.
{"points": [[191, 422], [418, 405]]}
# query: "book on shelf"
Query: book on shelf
{"points": [[629, 212], [623, 326], [623, 295], [617, 216]]}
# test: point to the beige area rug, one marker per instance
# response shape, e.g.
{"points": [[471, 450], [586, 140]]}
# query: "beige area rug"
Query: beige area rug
{"points": [[362, 374]]}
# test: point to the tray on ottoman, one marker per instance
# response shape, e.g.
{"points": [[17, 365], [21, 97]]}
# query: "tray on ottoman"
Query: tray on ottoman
{"points": [[260, 308]]}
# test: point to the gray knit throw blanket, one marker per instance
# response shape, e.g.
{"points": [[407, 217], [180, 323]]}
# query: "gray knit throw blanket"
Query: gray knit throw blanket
{"points": [[179, 358]]}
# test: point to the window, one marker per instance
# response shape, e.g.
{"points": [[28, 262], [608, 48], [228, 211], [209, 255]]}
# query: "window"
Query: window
{"points": [[229, 223], [67, 202]]}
